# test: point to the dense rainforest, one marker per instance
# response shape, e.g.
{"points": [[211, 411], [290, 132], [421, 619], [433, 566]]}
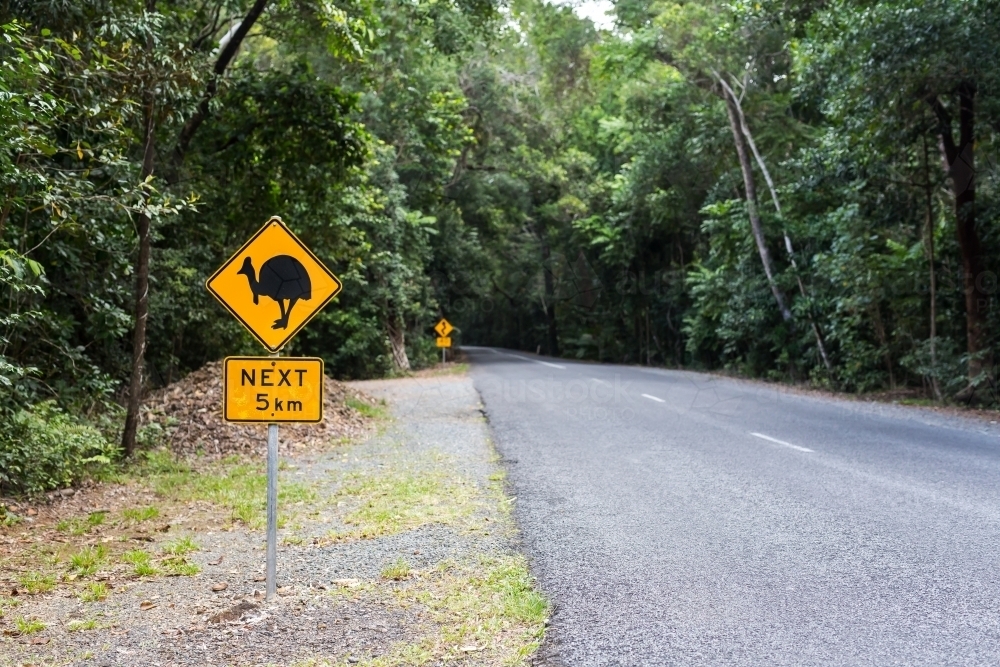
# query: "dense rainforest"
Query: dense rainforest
{"points": [[800, 191]]}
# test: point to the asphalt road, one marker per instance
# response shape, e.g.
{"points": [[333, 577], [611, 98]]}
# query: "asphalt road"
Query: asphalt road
{"points": [[675, 518]]}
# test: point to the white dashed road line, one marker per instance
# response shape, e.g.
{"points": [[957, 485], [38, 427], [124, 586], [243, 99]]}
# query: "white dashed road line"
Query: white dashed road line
{"points": [[780, 442], [543, 363], [654, 398]]}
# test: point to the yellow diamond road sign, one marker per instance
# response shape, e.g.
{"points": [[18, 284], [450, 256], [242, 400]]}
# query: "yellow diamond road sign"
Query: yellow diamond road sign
{"points": [[443, 328], [272, 390], [274, 285]]}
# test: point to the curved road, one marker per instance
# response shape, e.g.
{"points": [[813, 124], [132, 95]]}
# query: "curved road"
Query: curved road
{"points": [[676, 518]]}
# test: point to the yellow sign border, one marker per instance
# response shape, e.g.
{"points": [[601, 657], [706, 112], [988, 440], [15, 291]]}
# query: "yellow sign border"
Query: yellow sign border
{"points": [[272, 220], [322, 381]]}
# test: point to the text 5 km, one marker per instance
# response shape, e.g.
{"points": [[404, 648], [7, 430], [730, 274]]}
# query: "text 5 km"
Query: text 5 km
{"points": [[263, 405], [295, 389]]}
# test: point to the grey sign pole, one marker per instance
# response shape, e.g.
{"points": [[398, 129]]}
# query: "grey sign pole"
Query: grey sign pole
{"points": [[272, 509]]}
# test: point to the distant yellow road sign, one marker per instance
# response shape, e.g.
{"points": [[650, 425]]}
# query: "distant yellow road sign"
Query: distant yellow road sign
{"points": [[272, 389], [444, 341], [443, 328], [274, 285]]}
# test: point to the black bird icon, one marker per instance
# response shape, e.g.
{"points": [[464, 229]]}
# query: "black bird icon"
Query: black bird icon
{"points": [[282, 278]]}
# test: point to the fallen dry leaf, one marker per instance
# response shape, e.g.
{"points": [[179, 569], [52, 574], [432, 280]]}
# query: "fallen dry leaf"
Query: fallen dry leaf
{"points": [[146, 605], [347, 583], [40, 640], [217, 561], [221, 586]]}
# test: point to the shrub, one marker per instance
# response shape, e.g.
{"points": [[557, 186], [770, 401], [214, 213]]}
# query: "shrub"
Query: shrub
{"points": [[43, 448]]}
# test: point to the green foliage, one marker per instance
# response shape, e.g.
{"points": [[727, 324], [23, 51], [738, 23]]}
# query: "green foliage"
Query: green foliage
{"points": [[44, 448]]}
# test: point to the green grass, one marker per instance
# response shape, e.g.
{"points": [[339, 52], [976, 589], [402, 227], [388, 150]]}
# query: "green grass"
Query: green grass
{"points": [[36, 582], [396, 571], [83, 625], [94, 591], [73, 527], [7, 603], [181, 547], [392, 502], [487, 611], [239, 487], [27, 626], [141, 562], [378, 411], [179, 566], [139, 514], [86, 561], [96, 518]]}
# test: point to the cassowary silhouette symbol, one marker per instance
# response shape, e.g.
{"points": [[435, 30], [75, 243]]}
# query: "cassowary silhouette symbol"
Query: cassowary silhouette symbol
{"points": [[282, 278]]}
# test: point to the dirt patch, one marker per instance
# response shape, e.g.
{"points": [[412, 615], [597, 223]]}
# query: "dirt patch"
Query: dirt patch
{"points": [[190, 411]]}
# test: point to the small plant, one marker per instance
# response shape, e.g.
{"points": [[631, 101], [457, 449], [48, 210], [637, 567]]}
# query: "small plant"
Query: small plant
{"points": [[396, 571], [73, 527], [7, 603], [36, 582], [373, 411], [44, 448], [140, 561], [178, 566], [94, 591], [96, 518], [27, 626], [139, 514], [8, 518], [87, 560], [180, 547], [245, 512], [81, 625]]}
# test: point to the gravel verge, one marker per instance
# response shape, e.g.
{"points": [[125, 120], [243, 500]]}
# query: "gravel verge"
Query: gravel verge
{"points": [[396, 549]]}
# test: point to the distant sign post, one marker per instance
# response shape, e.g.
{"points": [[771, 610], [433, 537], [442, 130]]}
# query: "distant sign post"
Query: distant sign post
{"points": [[443, 328], [273, 285]]}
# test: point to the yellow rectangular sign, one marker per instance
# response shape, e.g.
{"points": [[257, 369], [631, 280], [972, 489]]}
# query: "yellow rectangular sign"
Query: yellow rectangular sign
{"points": [[272, 389], [444, 341]]}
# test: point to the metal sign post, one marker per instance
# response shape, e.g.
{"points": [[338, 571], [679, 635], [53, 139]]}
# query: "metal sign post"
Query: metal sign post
{"points": [[274, 264], [272, 510], [271, 573]]}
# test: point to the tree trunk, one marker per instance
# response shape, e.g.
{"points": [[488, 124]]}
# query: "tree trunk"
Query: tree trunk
{"points": [[929, 198], [397, 341], [959, 163], [550, 298], [751, 199], [226, 55], [141, 273], [777, 206]]}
